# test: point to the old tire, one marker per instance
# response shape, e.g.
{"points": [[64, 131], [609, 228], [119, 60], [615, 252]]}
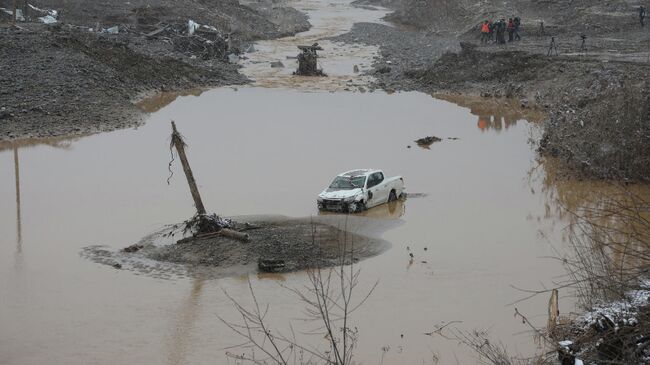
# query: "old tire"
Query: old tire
{"points": [[392, 196]]}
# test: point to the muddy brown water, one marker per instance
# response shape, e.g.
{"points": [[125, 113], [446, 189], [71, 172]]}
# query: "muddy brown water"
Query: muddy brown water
{"points": [[483, 207], [482, 214]]}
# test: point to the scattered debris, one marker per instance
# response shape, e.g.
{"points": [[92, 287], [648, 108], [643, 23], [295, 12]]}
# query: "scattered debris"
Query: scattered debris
{"points": [[426, 142], [277, 64], [192, 26]]}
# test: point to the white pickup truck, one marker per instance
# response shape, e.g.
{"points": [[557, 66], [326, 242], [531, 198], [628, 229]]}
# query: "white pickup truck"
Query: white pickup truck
{"points": [[357, 190]]}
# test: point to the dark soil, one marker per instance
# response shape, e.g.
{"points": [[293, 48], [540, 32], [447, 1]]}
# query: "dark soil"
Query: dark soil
{"points": [[71, 79]]}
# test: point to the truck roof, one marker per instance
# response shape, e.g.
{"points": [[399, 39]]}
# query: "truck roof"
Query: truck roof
{"points": [[359, 172]]}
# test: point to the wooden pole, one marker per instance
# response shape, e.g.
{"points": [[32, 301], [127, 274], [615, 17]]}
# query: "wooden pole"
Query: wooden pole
{"points": [[14, 12], [177, 141]]}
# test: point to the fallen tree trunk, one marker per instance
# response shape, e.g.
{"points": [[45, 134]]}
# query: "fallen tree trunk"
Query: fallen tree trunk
{"points": [[224, 232]]}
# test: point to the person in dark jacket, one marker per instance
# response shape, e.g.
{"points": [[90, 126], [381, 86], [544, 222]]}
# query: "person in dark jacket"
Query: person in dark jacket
{"points": [[501, 32], [517, 28], [511, 30], [493, 28]]}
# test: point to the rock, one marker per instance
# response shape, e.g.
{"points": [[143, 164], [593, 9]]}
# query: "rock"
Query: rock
{"points": [[383, 69], [133, 248], [4, 114], [233, 58], [277, 64], [426, 141], [355, 69]]}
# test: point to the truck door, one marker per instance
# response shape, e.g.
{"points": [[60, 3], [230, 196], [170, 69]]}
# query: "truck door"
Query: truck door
{"points": [[382, 188], [375, 194]]}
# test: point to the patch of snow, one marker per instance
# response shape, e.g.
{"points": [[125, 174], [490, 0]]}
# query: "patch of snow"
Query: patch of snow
{"points": [[48, 19], [621, 311], [112, 30], [578, 362], [565, 343]]}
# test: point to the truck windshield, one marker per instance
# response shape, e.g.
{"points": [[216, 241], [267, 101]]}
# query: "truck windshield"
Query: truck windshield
{"points": [[348, 183]]}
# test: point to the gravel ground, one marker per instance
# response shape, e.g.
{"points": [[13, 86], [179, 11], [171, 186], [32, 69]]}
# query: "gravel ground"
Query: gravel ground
{"points": [[70, 79]]}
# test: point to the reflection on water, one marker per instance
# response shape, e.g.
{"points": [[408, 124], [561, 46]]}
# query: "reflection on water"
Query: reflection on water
{"points": [[182, 334], [19, 228], [158, 101], [63, 142], [495, 122], [495, 114], [609, 217]]}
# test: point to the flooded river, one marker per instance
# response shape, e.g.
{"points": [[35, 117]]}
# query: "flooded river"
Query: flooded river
{"points": [[261, 152], [483, 219]]}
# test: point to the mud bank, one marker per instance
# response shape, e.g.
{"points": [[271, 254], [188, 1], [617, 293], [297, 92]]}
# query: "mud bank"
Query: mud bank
{"points": [[598, 112], [290, 244], [74, 78]]}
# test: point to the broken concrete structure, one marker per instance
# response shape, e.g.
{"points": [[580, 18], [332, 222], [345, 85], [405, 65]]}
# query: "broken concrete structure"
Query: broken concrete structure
{"points": [[307, 61]]}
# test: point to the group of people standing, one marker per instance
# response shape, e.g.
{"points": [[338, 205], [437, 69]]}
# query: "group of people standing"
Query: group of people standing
{"points": [[500, 28]]}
